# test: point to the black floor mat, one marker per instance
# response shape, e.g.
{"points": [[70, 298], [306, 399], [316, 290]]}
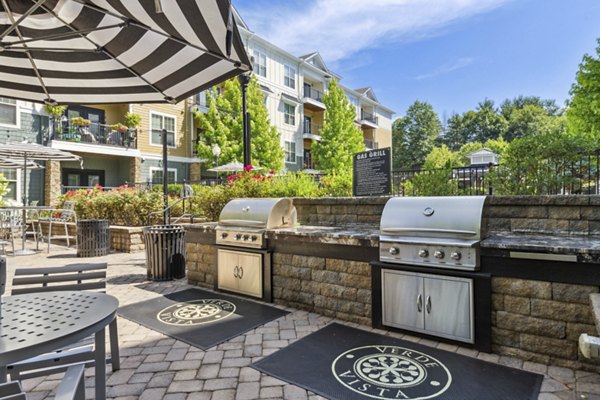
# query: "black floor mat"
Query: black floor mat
{"points": [[344, 363], [199, 317]]}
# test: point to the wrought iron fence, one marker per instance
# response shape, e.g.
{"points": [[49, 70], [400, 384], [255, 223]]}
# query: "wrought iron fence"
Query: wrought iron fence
{"points": [[577, 175]]}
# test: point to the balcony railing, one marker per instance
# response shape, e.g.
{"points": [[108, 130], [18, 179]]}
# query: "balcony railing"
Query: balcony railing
{"points": [[314, 94], [365, 116], [95, 133], [371, 144], [312, 129]]}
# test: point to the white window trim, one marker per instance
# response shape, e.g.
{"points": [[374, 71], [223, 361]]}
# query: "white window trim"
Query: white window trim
{"points": [[295, 76], [285, 113], [261, 53], [154, 169], [295, 153], [18, 188], [152, 112], [18, 118]]}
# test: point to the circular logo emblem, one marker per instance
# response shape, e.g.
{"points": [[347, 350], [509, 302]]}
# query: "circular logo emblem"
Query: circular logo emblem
{"points": [[428, 212], [196, 312], [391, 372]]}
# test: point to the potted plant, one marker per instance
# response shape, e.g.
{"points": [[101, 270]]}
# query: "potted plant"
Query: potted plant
{"points": [[80, 121], [55, 113], [119, 127]]}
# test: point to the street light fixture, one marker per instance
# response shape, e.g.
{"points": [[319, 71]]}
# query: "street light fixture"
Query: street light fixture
{"points": [[216, 150], [244, 80]]}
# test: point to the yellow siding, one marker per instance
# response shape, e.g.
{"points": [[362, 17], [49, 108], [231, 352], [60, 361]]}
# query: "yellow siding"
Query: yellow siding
{"points": [[182, 134], [383, 137], [113, 113]]}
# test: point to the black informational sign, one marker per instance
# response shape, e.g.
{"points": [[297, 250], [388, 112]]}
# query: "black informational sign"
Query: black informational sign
{"points": [[372, 173]]}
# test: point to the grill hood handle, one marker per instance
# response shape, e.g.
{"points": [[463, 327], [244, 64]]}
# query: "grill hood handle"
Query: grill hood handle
{"points": [[428, 230]]}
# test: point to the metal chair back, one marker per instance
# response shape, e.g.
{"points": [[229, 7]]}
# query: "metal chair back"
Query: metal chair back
{"points": [[68, 211], [70, 277]]}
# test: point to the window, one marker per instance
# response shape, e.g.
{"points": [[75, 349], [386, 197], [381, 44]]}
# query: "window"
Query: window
{"points": [[289, 74], [10, 175], [8, 112], [290, 152], [289, 114], [156, 174], [260, 63], [158, 123]]}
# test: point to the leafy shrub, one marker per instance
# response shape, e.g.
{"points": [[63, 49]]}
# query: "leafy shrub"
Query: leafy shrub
{"points": [[294, 184], [337, 184], [121, 206]]}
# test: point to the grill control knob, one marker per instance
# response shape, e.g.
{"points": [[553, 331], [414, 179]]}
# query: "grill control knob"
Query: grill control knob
{"points": [[423, 253], [238, 236], [456, 255], [224, 235], [394, 251], [439, 254], [246, 237], [254, 238]]}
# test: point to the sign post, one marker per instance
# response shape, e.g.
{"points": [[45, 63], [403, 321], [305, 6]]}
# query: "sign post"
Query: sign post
{"points": [[371, 173]]}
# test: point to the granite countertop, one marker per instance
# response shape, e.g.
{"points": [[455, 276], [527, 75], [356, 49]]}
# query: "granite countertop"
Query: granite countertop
{"points": [[349, 236], [588, 246]]}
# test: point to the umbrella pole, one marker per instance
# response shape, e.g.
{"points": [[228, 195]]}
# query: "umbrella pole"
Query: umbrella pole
{"points": [[24, 211]]}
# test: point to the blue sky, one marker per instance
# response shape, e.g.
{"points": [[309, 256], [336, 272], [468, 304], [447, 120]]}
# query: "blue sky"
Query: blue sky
{"points": [[451, 53]]}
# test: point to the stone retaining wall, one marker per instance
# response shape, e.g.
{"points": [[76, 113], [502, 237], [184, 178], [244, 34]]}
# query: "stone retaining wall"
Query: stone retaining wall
{"points": [[541, 321], [201, 264], [556, 215], [123, 239]]}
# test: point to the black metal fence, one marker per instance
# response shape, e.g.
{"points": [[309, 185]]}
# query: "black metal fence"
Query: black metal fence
{"points": [[578, 175]]}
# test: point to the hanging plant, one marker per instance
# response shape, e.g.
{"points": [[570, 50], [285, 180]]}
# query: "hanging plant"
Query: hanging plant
{"points": [[55, 111], [132, 120]]}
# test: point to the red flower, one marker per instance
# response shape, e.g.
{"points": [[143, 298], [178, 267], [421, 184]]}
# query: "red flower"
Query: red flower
{"points": [[248, 168], [232, 177]]}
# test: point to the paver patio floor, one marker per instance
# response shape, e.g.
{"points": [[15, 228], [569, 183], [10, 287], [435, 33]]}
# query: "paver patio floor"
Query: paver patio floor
{"points": [[155, 366]]}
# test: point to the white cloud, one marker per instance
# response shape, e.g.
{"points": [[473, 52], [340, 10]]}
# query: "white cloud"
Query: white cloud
{"points": [[341, 28], [447, 68]]}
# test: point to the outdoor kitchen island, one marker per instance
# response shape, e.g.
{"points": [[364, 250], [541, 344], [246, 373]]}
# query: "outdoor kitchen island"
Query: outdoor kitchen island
{"points": [[539, 307]]}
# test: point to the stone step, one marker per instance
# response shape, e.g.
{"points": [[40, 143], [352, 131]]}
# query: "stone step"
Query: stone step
{"points": [[595, 302]]}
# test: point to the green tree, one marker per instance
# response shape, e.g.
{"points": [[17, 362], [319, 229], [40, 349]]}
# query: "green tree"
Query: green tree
{"points": [[583, 113], [531, 120], [341, 138], [223, 125], [414, 135], [457, 133], [509, 105]]}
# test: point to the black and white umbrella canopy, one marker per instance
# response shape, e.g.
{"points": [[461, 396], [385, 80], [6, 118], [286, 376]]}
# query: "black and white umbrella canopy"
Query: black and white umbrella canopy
{"points": [[116, 51]]}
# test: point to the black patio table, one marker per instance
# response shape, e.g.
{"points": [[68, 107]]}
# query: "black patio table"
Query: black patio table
{"points": [[37, 323]]}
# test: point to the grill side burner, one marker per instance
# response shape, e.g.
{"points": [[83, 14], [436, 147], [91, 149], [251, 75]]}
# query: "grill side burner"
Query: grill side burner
{"points": [[441, 232]]}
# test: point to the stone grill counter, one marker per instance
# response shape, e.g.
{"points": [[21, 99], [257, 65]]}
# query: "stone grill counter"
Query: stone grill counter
{"points": [[539, 308]]}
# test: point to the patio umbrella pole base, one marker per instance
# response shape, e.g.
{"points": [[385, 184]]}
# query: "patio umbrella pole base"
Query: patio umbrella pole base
{"points": [[24, 252]]}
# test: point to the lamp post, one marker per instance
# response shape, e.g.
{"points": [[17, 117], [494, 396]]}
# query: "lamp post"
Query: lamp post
{"points": [[244, 81], [216, 150]]}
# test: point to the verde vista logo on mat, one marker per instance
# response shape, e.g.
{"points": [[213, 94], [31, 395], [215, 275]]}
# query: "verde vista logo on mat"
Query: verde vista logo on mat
{"points": [[391, 372], [196, 312]]}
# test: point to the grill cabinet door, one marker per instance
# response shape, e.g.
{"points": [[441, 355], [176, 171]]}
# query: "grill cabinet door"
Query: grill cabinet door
{"points": [[448, 307], [402, 299], [250, 272], [227, 262]]}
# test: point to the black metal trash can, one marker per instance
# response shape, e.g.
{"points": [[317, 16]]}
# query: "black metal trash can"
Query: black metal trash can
{"points": [[165, 252], [93, 238]]}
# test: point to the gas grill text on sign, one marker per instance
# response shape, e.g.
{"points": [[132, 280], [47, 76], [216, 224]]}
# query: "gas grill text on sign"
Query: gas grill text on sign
{"points": [[371, 172]]}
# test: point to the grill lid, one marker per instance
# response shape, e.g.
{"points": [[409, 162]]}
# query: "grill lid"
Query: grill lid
{"points": [[258, 213], [457, 217]]}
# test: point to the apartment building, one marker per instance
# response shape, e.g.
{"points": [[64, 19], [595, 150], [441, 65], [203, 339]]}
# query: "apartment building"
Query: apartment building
{"points": [[293, 88], [111, 156]]}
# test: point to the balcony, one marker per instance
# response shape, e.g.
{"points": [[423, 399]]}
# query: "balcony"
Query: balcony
{"points": [[98, 134], [371, 144], [311, 131], [313, 99], [368, 119]]}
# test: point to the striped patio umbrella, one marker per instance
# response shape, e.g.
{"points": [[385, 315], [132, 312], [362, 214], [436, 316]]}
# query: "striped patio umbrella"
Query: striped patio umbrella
{"points": [[28, 152], [116, 51]]}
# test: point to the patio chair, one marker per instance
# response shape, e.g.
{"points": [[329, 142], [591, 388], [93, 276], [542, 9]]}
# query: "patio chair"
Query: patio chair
{"points": [[60, 216], [6, 237], [70, 277], [72, 386]]}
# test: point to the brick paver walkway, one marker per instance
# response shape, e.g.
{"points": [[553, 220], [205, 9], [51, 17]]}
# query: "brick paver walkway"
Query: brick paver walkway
{"points": [[155, 366]]}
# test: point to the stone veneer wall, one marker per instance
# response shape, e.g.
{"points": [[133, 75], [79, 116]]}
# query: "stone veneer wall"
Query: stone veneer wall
{"points": [[541, 321], [201, 264], [340, 211]]}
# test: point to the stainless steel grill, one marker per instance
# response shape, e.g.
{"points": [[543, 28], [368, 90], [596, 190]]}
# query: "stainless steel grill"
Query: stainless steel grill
{"points": [[243, 222], [442, 232]]}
